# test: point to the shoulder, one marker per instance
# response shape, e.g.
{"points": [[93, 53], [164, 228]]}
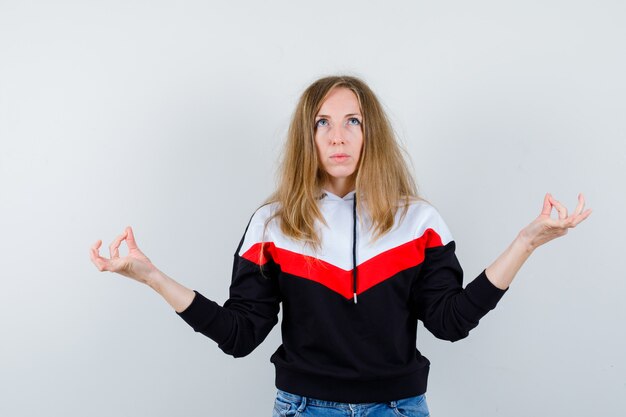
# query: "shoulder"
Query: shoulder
{"points": [[423, 218], [262, 214], [259, 228]]}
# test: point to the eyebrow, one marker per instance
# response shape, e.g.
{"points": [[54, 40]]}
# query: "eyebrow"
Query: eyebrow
{"points": [[347, 115]]}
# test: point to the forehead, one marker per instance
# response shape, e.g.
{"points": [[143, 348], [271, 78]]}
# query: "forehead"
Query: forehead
{"points": [[340, 100]]}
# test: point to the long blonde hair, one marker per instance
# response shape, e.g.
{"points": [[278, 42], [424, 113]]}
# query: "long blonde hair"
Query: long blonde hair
{"points": [[383, 182]]}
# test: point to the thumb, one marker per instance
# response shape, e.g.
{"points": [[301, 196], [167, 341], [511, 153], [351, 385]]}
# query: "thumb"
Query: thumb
{"points": [[130, 238], [547, 206]]}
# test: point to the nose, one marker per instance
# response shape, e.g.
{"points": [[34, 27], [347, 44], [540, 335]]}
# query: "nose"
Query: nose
{"points": [[336, 138]]}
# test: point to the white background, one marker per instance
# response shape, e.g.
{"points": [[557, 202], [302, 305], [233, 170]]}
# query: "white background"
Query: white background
{"points": [[170, 115]]}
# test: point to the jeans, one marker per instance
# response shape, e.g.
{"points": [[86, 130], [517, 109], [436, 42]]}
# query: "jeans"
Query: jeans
{"points": [[293, 405]]}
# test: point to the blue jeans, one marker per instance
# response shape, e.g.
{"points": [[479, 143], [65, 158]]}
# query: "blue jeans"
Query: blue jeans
{"points": [[293, 405]]}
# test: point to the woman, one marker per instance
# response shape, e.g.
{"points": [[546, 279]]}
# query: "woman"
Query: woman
{"points": [[355, 257]]}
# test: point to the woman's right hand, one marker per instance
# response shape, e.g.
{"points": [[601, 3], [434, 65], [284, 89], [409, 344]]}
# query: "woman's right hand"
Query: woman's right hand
{"points": [[135, 265]]}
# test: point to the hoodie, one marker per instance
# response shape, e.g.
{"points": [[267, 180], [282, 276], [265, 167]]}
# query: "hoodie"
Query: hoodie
{"points": [[350, 308]]}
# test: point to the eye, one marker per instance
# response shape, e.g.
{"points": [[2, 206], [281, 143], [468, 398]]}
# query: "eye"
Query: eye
{"points": [[354, 121], [321, 123]]}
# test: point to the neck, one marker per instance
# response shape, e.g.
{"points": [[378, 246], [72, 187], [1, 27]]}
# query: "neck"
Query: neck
{"points": [[340, 186]]}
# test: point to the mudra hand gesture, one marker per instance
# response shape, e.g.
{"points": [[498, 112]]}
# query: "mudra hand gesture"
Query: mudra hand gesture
{"points": [[135, 265], [544, 228]]}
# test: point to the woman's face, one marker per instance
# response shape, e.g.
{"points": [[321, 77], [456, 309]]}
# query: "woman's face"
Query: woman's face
{"points": [[339, 137]]}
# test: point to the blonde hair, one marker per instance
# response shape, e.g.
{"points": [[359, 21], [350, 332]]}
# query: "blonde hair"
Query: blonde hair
{"points": [[382, 180]]}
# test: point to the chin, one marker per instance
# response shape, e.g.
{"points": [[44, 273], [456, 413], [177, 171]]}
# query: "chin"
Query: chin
{"points": [[340, 174]]}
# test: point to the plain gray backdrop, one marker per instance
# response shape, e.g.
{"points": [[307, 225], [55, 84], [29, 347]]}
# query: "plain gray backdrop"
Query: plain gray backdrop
{"points": [[170, 115]]}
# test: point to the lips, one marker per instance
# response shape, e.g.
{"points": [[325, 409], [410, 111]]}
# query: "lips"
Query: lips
{"points": [[339, 157]]}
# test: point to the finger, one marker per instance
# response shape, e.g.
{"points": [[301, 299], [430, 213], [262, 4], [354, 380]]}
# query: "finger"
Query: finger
{"points": [[547, 207], [130, 238], [582, 217], [114, 247], [94, 251], [96, 246], [580, 206], [100, 263], [562, 210], [97, 260]]}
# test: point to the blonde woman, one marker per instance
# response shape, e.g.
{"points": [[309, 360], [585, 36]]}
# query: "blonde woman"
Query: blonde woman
{"points": [[354, 257]]}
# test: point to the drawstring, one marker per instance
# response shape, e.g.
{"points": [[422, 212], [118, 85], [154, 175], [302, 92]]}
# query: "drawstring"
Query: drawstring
{"points": [[354, 274]]}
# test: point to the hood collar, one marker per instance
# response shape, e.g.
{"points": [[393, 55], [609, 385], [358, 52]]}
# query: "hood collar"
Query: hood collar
{"points": [[334, 197], [328, 196]]}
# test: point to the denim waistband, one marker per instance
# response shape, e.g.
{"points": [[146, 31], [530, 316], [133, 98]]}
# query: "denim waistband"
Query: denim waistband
{"points": [[303, 401]]}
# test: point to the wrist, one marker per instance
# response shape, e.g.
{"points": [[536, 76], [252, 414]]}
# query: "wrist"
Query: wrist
{"points": [[524, 242], [155, 279]]}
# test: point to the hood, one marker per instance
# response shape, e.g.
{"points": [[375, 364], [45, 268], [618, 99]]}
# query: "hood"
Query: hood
{"points": [[351, 196]]}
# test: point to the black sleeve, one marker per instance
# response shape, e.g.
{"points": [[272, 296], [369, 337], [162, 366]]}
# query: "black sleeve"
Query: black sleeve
{"points": [[248, 315], [448, 310]]}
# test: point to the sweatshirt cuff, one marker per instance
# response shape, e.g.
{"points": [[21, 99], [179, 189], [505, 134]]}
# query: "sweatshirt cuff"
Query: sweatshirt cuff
{"points": [[200, 312], [482, 293]]}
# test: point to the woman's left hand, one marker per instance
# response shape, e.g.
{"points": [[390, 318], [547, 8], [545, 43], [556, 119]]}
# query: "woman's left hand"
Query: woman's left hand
{"points": [[544, 228]]}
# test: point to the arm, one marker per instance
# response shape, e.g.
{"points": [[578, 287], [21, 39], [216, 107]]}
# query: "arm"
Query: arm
{"points": [[543, 229], [238, 327], [248, 315], [450, 311]]}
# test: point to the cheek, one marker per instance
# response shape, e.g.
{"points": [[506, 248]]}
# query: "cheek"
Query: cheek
{"points": [[319, 144], [358, 143]]}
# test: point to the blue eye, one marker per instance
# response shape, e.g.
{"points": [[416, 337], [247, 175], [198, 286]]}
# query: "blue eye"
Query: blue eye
{"points": [[321, 122], [354, 121]]}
